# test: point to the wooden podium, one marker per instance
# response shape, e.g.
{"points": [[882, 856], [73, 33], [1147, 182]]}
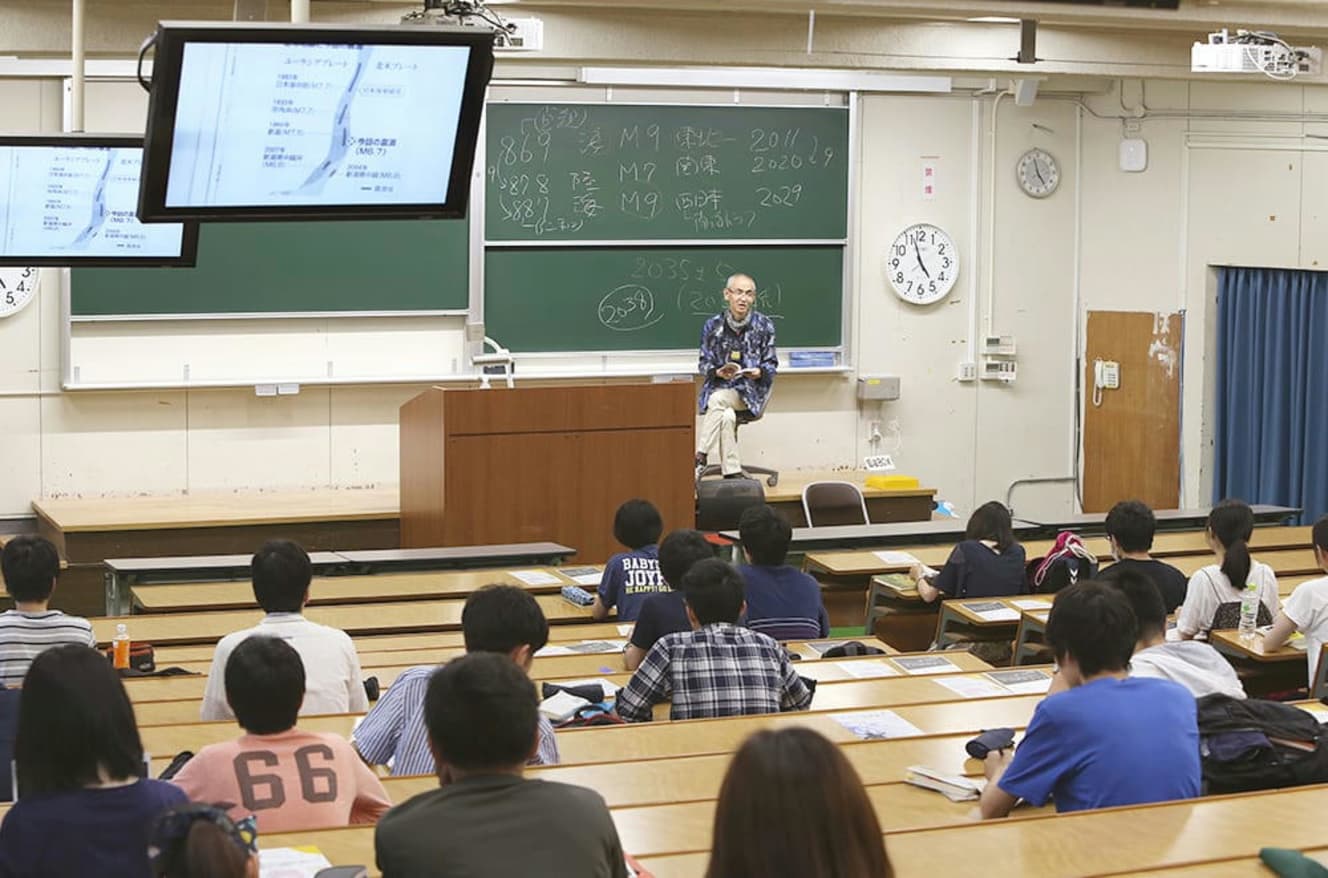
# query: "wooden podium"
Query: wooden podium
{"points": [[544, 463]]}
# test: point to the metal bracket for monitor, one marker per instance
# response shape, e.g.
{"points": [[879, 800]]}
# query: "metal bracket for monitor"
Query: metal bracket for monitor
{"points": [[501, 356]]}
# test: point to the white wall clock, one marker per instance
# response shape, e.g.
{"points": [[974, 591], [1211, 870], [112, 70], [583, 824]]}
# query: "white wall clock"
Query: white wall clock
{"points": [[922, 264], [1038, 173], [18, 287]]}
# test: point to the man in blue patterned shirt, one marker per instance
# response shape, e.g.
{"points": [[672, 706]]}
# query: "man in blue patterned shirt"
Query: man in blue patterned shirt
{"points": [[738, 362], [718, 669]]}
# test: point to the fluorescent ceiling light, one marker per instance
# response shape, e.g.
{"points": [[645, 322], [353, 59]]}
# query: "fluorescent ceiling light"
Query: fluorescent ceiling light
{"points": [[787, 79], [993, 19]]}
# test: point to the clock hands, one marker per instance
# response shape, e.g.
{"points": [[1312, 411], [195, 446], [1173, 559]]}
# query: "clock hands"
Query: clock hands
{"points": [[1037, 169], [921, 264]]}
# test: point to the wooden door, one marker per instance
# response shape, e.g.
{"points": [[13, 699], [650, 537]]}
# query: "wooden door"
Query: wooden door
{"points": [[1132, 434]]}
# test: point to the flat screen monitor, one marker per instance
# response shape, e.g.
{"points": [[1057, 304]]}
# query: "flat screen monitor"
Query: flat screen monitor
{"points": [[71, 199], [263, 121]]}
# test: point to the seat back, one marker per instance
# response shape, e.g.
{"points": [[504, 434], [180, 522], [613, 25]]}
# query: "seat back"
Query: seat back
{"points": [[832, 504], [721, 502]]}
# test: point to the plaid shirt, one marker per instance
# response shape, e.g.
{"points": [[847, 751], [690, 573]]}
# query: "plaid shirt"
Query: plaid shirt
{"points": [[754, 347], [393, 733], [720, 670]]}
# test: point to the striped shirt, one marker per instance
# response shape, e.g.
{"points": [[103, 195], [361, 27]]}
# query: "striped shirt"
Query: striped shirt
{"points": [[26, 635], [720, 670], [394, 733]]}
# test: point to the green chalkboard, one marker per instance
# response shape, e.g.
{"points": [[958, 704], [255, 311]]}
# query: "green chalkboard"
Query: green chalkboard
{"points": [[603, 172], [309, 267], [654, 298]]}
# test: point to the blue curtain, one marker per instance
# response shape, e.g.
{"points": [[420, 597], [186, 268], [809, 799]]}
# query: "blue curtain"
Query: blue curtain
{"points": [[1272, 388]]}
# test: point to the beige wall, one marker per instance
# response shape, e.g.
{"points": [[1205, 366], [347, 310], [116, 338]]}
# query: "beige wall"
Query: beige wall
{"points": [[1217, 190]]}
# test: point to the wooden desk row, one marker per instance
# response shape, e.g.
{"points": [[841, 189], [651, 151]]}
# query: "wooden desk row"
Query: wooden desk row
{"points": [[430, 585]]}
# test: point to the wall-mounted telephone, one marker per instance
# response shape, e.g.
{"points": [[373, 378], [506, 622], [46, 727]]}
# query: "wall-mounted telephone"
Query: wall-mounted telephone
{"points": [[1106, 376]]}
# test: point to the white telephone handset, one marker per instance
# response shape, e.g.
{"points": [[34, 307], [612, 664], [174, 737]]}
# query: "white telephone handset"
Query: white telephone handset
{"points": [[1106, 375]]}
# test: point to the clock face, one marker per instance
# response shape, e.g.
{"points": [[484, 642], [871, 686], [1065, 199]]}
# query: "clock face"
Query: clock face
{"points": [[1038, 173], [18, 287], [922, 264]]}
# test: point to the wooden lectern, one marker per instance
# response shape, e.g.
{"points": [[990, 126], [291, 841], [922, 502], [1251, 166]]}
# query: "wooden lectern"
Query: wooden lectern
{"points": [[544, 463]]}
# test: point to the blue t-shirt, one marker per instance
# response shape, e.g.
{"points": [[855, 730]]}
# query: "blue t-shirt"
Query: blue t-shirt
{"points": [[1109, 742], [628, 579], [102, 832], [784, 603], [661, 614], [975, 570]]}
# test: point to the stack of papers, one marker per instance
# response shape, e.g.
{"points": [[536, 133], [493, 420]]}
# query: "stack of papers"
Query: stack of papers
{"points": [[877, 725], [867, 668], [587, 647], [897, 559], [954, 787], [1021, 682], [1033, 603], [991, 611], [971, 687], [582, 575], [925, 664], [301, 862], [536, 577]]}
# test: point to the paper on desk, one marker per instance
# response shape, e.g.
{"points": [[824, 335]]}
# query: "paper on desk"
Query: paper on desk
{"points": [[587, 647], [1033, 604], [867, 668], [897, 559], [550, 649], [875, 725], [1316, 710], [301, 862], [1004, 614], [582, 575], [971, 687], [925, 664], [1021, 682], [625, 630], [536, 577]]}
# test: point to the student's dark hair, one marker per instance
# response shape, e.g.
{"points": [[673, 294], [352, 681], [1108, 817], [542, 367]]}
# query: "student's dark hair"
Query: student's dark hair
{"points": [[190, 845], [991, 521], [281, 573], [765, 535], [265, 682], [1150, 612], [75, 723], [679, 551], [481, 712], [637, 523], [1231, 523], [30, 565], [1133, 524], [714, 591], [792, 806], [1092, 621], [499, 618], [1319, 533]]}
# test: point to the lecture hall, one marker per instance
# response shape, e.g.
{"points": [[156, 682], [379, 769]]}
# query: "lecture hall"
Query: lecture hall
{"points": [[666, 439]]}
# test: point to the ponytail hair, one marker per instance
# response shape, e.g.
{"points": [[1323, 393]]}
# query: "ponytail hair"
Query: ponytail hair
{"points": [[1231, 523]]}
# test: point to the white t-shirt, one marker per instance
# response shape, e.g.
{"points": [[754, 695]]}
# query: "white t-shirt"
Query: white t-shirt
{"points": [[1196, 666], [1209, 588], [1308, 608], [332, 679]]}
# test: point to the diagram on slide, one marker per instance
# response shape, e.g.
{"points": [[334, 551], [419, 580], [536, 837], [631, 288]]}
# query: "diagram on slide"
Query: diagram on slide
{"points": [[264, 124]]}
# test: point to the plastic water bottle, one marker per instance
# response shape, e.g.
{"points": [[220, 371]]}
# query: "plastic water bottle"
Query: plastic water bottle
{"points": [[120, 647], [1249, 611]]}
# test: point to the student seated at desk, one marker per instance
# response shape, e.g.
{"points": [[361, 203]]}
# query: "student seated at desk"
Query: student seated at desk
{"points": [[281, 576], [288, 778], [666, 612], [1130, 527], [83, 808], [30, 566], [782, 601], [1212, 599], [1306, 610], [797, 793], [1191, 663], [632, 576], [200, 841], [1109, 739], [988, 563], [502, 619], [486, 819], [719, 668]]}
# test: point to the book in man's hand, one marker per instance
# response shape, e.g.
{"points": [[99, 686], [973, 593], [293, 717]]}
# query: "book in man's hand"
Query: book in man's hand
{"points": [[954, 787]]}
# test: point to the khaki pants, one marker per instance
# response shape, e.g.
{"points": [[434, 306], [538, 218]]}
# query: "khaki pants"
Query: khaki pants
{"points": [[719, 427]]}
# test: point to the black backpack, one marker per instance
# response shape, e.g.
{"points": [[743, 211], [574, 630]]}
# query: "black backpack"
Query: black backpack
{"points": [[1227, 615], [1251, 744]]}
